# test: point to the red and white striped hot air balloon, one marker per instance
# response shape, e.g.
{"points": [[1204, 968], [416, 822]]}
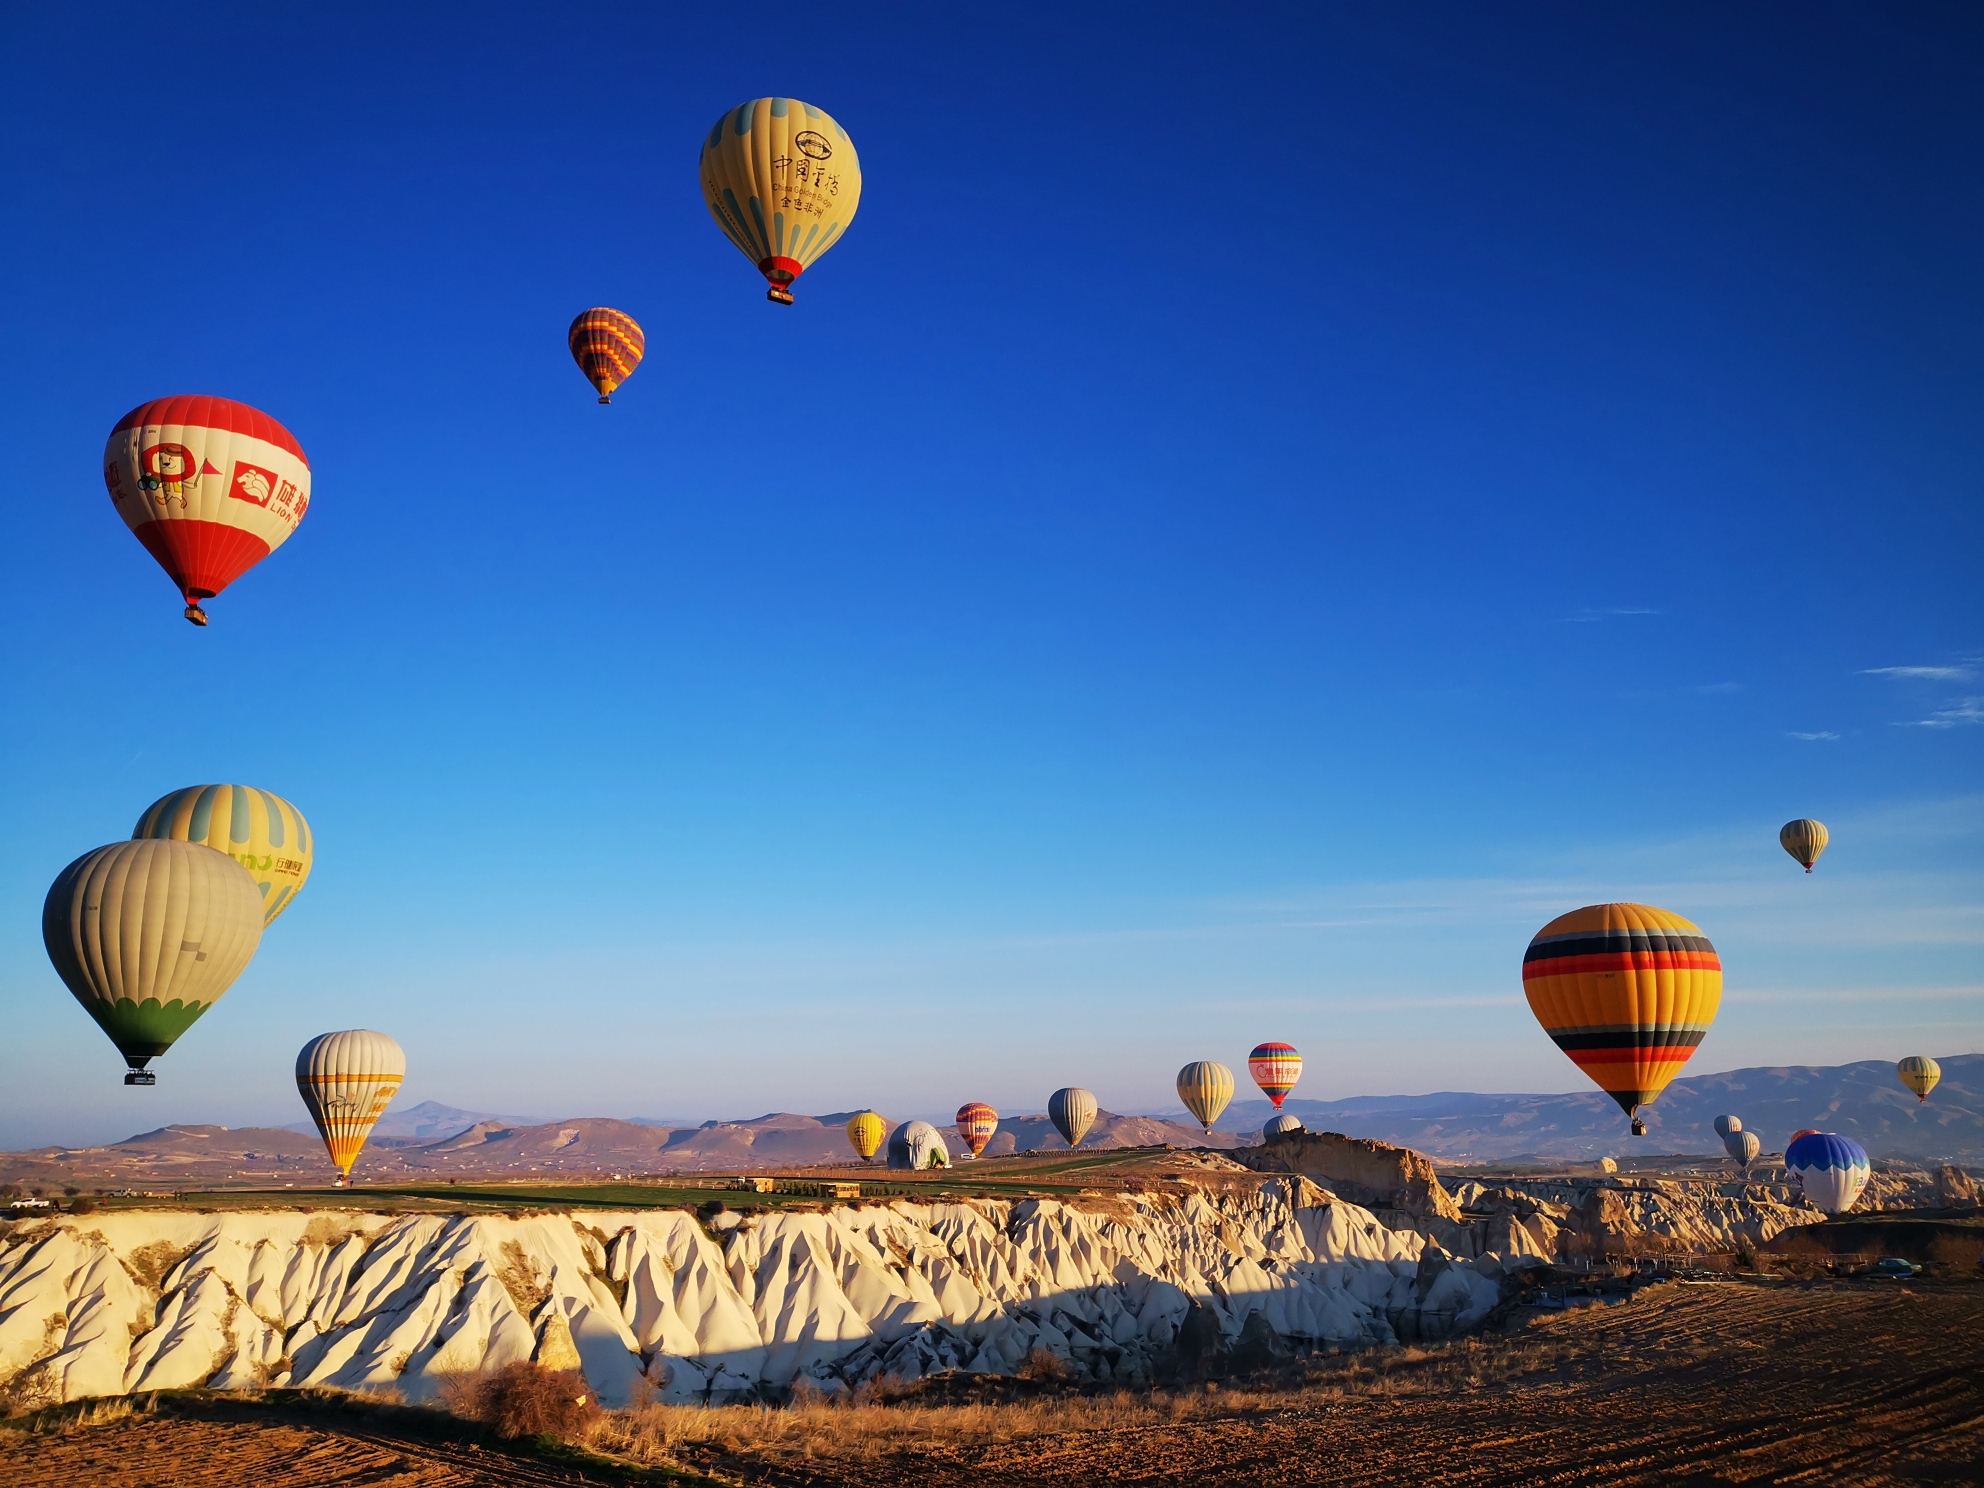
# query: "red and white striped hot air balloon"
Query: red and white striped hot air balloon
{"points": [[211, 487], [976, 1124]]}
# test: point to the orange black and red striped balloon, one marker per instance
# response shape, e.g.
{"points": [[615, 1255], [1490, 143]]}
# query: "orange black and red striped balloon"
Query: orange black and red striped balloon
{"points": [[1275, 1068], [608, 346], [1628, 991], [211, 487], [976, 1124]]}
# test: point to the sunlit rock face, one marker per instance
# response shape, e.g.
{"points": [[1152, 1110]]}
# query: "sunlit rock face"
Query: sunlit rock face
{"points": [[654, 1303]]}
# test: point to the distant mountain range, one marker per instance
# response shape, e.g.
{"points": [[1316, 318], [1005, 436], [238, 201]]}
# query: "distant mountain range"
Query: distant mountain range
{"points": [[1863, 1101]]}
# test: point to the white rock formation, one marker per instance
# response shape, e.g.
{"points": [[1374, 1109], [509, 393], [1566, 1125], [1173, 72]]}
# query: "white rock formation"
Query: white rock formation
{"points": [[140, 1301]]}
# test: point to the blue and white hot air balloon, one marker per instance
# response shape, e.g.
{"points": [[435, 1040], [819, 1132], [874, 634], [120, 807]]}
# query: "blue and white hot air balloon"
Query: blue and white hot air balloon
{"points": [[1831, 1169]]}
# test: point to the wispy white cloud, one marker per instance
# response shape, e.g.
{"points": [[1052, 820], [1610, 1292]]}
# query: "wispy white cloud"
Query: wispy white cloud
{"points": [[1961, 711], [1811, 738], [1586, 617], [1956, 673]]}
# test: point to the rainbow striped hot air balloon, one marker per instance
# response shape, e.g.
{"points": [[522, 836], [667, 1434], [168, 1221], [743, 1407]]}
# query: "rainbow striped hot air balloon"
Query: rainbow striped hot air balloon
{"points": [[211, 487], [1628, 991], [782, 180], [347, 1080], [1275, 1068], [608, 346], [257, 828], [976, 1124]]}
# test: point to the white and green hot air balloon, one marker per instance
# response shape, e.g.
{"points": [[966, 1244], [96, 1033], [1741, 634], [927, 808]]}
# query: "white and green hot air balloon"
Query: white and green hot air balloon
{"points": [[347, 1080], [147, 935]]}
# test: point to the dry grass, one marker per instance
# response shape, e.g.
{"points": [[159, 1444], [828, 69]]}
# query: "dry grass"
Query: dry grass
{"points": [[525, 1400], [888, 1416]]}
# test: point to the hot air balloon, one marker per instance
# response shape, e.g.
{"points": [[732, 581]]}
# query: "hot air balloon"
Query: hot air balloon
{"points": [[865, 1133], [976, 1124], [1275, 1068], [1804, 839], [1205, 1088], [607, 345], [781, 179], [1628, 991], [148, 935], [1072, 1110], [1919, 1073], [1803, 1131], [1831, 1169], [347, 1080], [1743, 1146], [1281, 1127], [1724, 1125], [916, 1145], [260, 831], [211, 487]]}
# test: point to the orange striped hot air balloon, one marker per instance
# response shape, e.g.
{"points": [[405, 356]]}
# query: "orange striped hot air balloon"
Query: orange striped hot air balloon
{"points": [[211, 487], [608, 346], [1275, 1068], [976, 1124], [1628, 991]]}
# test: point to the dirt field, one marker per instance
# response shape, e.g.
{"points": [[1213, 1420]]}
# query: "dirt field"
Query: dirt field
{"points": [[1835, 1383]]}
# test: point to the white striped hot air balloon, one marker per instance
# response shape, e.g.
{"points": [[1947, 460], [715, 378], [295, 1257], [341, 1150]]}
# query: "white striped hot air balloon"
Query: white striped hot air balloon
{"points": [[257, 828], [347, 1080], [1072, 1110]]}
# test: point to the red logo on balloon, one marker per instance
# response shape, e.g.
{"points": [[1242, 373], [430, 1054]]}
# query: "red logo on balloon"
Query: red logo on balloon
{"points": [[252, 483]]}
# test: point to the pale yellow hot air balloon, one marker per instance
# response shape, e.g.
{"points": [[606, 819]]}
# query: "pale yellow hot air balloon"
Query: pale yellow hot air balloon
{"points": [[865, 1133], [782, 180], [347, 1080], [1804, 839], [257, 828], [1919, 1073], [147, 935], [1205, 1088]]}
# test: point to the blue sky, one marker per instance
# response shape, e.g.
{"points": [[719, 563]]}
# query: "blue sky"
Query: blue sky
{"points": [[1258, 514]]}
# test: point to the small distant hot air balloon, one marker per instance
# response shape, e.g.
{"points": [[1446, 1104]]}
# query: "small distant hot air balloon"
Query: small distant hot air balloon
{"points": [[781, 179], [865, 1133], [1275, 1068], [1919, 1073], [1280, 1128], [147, 936], [976, 1124], [347, 1080], [1803, 1131], [1205, 1088], [916, 1145], [1831, 1169], [1743, 1146], [1628, 992], [1072, 1110], [1804, 839], [259, 830], [1724, 1125], [608, 346], [211, 487]]}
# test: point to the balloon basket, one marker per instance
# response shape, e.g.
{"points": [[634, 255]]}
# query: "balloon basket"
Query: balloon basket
{"points": [[1639, 1127], [197, 615], [779, 296], [141, 1077]]}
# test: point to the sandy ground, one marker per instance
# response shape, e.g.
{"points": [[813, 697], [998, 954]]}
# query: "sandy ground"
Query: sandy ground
{"points": [[1847, 1384]]}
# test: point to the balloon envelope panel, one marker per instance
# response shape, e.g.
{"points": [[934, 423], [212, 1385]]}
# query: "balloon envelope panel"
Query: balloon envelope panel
{"points": [[147, 935], [257, 828], [1627, 991], [1205, 1088], [347, 1079], [1275, 1068], [209, 486], [1830, 1168], [1072, 1110]]}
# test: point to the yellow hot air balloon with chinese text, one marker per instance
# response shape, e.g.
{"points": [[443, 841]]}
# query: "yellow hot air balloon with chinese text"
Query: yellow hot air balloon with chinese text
{"points": [[1919, 1073], [865, 1133], [782, 180], [257, 828], [1628, 992], [347, 1079]]}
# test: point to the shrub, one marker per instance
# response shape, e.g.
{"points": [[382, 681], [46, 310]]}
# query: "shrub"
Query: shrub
{"points": [[1044, 1364], [525, 1399], [83, 1206]]}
